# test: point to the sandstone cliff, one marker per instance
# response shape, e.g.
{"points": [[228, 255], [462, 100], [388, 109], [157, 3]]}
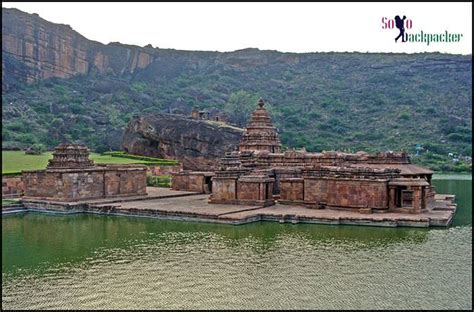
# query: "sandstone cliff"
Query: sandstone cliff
{"points": [[197, 144], [35, 49]]}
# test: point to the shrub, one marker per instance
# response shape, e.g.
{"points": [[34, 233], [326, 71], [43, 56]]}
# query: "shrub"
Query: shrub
{"points": [[436, 148], [158, 181], [404, 116], [314, 115], [37, 149], [6, 136], [17, 126], [459, 137], [462, 168]]}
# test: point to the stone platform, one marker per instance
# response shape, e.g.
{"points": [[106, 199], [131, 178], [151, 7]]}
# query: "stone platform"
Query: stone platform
{"points": [[164, 203]]}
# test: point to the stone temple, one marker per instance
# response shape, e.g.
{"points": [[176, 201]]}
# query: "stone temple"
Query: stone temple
{"points": [[71, 176], [259, 173]]}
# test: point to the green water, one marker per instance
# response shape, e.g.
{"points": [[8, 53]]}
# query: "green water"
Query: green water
{"points": [[107, 262]]}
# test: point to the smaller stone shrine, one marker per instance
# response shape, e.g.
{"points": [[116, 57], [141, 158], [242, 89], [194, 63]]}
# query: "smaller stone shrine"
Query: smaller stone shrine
{"points": [[71, 176]]}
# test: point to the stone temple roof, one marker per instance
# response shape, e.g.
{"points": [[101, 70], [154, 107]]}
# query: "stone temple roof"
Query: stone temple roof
{"points": [[260, 134], [405, 169], [70, 156]]}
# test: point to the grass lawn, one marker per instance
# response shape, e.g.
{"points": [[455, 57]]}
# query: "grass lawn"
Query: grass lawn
{"points": [[16, 161]]}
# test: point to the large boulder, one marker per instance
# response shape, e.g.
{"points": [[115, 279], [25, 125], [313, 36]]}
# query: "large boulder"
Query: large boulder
{"points": [[198, 144]]}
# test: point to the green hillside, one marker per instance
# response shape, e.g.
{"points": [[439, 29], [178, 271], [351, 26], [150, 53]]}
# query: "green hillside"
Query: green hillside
{"points": [[322, 101]]}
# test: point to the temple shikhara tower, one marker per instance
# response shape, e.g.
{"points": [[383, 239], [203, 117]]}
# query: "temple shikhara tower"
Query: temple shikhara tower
{"points": [[70, 156], [260, 134]]}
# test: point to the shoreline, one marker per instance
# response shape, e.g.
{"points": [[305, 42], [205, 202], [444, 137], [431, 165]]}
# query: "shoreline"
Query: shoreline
{"points": [[187, 206]]}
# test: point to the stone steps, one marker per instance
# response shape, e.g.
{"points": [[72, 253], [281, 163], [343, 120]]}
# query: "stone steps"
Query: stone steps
{"points": [[13, 208]]}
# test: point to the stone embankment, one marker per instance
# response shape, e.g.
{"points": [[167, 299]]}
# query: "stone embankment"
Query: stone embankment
{"points": [[163, 203]]}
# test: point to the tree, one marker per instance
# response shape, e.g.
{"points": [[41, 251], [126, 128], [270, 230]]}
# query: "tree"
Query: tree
{"points": [[239, 107], [36, 149]]}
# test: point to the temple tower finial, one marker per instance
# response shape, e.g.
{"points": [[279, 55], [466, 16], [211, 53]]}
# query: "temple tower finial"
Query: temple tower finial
{"points": [[261, 102]]}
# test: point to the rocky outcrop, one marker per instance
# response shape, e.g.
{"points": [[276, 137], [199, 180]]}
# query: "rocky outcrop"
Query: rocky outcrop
{"points": [[35, 49], [198, 144]]}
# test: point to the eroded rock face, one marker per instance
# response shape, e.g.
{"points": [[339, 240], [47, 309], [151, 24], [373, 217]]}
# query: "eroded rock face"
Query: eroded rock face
{"points": [[34, 49], [198, 144]]}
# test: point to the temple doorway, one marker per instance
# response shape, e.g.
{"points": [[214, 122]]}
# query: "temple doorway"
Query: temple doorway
{"points": [[208, 183], [399, 196]]}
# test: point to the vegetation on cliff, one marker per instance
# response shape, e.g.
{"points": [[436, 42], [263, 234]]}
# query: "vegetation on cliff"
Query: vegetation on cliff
{"points": [[336, 101], [320, 101]]}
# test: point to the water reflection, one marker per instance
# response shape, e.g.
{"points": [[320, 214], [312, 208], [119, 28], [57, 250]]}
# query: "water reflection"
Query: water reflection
{"points": [[92, 261], [463, 191], [32, 238]]}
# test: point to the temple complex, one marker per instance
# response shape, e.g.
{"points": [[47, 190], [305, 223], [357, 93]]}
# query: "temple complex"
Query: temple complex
{"points": [[255, 182], [259, 173], [71, 176]]}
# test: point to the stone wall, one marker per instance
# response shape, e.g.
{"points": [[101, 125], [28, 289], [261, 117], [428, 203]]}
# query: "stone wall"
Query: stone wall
{"points": [[303, 159], [81, 184], [430, 194], [291, 190], [345, 193], [335, 193], [192, 181], [75, 185], [315, 192], [248, 191], [284, 173], [43, 184], [255, 189], [164, 170], [236, 188], [124, 182], [347, 187], [224, 190], [362, 189], [12, 186]]}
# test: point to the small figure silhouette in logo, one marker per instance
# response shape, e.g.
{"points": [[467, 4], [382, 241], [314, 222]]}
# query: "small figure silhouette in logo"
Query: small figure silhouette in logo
{"points": [[400, 24]]}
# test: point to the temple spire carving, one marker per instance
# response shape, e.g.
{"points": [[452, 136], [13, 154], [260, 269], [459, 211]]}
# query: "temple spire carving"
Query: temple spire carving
{"points": [[260, 134], [70, 156]]}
